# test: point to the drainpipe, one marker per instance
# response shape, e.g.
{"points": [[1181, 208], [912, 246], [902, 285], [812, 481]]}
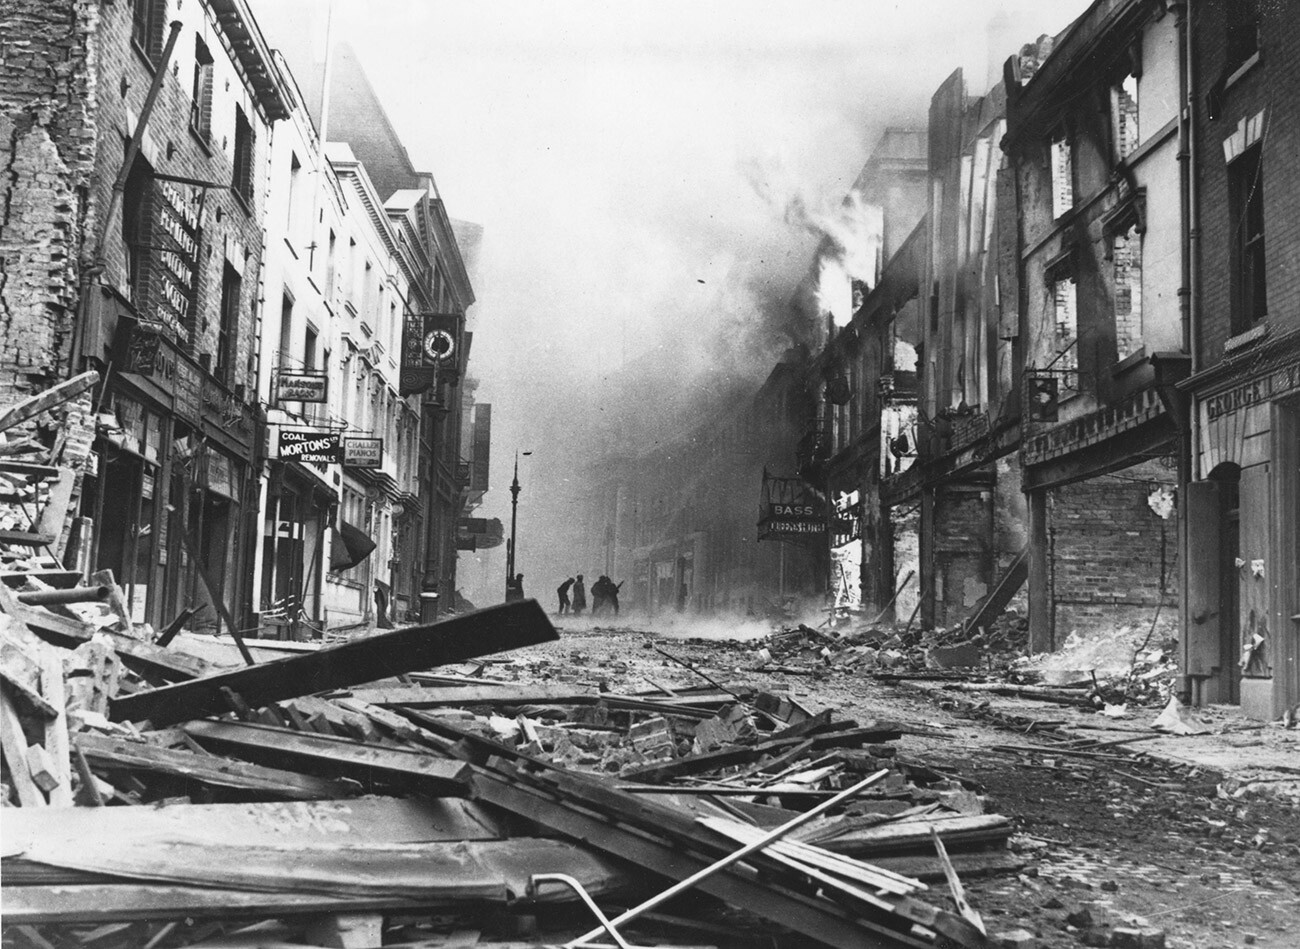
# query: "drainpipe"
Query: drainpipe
{"points": [[1189, 299], [98, 263]]}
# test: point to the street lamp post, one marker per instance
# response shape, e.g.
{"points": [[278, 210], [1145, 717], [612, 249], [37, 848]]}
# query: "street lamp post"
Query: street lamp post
{"points": [[514, 521]]}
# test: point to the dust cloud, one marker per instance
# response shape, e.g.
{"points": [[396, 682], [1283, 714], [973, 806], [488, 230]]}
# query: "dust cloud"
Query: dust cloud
{"points": [[653, 182]]}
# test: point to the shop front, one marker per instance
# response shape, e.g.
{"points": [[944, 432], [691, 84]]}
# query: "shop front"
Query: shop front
{"points": [[1243, 534]]}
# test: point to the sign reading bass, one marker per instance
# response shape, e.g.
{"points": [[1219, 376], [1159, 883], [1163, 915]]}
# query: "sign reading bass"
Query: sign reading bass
{"points": [[318, 447]]}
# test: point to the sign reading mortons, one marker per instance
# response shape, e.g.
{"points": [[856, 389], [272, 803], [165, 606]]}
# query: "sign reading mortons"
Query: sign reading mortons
{"points": [[310, 446]]}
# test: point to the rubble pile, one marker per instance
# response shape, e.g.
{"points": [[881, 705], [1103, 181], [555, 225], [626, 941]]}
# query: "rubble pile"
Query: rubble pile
{"points": [[391, 790], [1120, 668]]}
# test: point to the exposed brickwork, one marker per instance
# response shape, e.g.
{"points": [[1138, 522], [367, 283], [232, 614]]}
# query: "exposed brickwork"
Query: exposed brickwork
{"points": [[1258, 88], [47, 133], [1112, 557]]}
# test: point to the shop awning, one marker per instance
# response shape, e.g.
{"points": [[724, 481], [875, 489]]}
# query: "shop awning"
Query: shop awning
{"points": [[349, 546]]}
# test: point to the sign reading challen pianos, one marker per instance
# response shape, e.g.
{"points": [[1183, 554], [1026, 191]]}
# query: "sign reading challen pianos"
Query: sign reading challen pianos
{"points": [[362, 452]]}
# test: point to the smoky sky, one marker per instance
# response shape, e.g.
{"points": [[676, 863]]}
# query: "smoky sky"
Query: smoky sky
{"points": [[633, 166]]}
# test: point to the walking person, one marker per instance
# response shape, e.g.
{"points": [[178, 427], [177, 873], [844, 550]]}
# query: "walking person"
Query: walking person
{"points": [[611, 593], [599, 594], [563, 591], [579, 596]]}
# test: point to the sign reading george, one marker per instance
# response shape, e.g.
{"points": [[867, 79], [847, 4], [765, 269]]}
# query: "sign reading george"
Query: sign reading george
{"points": [[317, 447], [363, 452], [304, 386]]}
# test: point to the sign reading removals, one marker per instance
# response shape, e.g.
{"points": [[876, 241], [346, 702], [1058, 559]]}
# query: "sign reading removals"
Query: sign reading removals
{"points": [[317, 447]]}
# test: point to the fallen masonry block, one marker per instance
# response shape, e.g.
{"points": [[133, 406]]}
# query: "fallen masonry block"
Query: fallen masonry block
{"points": [[1015, 939], [490, 630], [966, 655], [1133, 938]]}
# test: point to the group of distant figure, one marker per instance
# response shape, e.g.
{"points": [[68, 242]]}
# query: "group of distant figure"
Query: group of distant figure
{"points": [[604, 595]]}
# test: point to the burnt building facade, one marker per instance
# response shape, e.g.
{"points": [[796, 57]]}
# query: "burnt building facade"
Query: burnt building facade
{"points": [[1093, 141]]}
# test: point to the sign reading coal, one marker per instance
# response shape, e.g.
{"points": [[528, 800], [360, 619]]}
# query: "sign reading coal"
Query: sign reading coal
{"points": [[309, 446]]}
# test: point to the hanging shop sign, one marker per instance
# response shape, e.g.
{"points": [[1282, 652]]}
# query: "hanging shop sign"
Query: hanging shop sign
{"points": [[301, 386], [429, 347], [362, 452], [309, 446], [790, 508], [177, 219]]}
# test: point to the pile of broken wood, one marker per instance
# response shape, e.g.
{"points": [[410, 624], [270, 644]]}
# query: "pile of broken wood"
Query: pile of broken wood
{"points": [[369, 793]]}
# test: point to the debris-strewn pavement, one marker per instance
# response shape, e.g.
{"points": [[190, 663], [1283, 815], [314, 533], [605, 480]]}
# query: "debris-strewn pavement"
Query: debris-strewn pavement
{"points": [[408, 787], [1196, 835]]}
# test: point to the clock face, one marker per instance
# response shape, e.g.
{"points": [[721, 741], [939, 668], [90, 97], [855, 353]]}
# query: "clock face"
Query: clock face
{"points": [[439, 344]]}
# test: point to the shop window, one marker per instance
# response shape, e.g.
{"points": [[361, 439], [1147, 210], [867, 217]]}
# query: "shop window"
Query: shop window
{"points": [[242, 179], [148, 18], [1062, 175], [201, 104], [1246, 210], [137, 224], [1243, 31], [228, 330], [1126, 261], [1124, 116]]}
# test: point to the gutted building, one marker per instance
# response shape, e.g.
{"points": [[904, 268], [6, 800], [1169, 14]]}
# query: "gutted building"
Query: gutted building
{"points": [[1093, 139]]}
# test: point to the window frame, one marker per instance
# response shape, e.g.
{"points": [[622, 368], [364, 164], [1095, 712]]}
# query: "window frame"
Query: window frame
{"points": [[1247, 244]]}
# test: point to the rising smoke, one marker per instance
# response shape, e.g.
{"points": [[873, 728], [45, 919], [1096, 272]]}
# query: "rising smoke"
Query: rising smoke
{"points": [[663, 195]]}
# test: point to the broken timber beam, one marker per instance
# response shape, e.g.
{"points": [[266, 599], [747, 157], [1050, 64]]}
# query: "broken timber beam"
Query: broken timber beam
{"points": [[336, 757], [490, 630], [51, 398], [817, 918], [113, 753]]}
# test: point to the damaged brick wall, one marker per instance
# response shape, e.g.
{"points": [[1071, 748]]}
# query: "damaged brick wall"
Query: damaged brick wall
{"points": [[47, 150], [962, 548], [1112, 556]]}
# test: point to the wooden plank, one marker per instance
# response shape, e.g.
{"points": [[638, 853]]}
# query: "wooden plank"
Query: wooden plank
{"points": [[819, 919], [469, 870], [99, 903], [491, 630], [905, 835], [52, 397], [14, 745], [41, 768], [321, 754], [20, 668], [55, 511], [56, 729], [286, 823], [1008, 585], [117, 753], [522, 694]]}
